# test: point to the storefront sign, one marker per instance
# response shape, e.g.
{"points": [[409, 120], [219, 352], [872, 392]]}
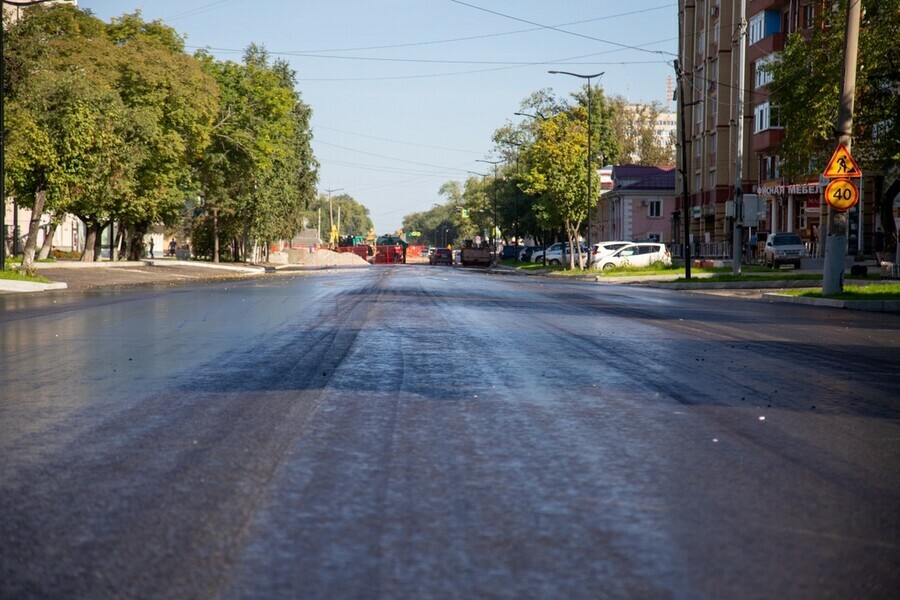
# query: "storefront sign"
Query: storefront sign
{"points": [[798, 189]]}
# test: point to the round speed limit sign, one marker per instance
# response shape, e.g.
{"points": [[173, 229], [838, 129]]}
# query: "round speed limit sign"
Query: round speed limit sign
{"points": [[841, 194]]}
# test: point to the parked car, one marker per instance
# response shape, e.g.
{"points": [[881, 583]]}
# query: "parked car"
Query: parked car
{"points": [[642, 254], [509, 252], [527, 251], [557, 254], [784, 248], [603, 249], [441, 256]]}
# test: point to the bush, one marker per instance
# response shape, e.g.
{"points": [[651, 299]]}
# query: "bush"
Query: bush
{"points": [[61, 255]]}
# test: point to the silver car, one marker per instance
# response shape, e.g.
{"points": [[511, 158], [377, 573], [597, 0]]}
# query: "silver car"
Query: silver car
{"points": [[784, 248]]}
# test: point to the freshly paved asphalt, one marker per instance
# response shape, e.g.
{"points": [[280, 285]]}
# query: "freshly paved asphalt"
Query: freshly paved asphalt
{"points": [[76, 276]]}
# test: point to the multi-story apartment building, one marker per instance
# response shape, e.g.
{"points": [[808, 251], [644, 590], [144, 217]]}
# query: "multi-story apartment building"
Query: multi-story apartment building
{"points": [[708, 102], [790, 205], [711, 32]]}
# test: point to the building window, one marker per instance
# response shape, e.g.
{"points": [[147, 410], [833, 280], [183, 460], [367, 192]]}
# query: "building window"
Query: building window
{"points": [[712, 75], [655, 236], [763, 75], [654, 209], [757, 28], [765, 116], [763, 24], [698, 182], [807, 15], [712, 179]]}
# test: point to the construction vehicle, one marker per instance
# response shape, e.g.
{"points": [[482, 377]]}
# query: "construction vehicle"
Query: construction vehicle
{"points": [[476, 255]]}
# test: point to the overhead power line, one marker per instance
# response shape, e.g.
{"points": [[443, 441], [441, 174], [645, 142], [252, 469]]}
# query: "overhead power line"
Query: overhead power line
{"points": [[487, 35], [560, 30]]}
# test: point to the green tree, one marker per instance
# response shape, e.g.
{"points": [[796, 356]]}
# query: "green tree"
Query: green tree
{"points": [[354, 217], [557, 174], [258, 174], [171, 104], [634, 128], [439, 225], [805, 90], [125, 112]]}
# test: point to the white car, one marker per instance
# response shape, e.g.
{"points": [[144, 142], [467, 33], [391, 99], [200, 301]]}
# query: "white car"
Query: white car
{"points": [[603, 249], [641, 254], [557, 254], [784, 248]]}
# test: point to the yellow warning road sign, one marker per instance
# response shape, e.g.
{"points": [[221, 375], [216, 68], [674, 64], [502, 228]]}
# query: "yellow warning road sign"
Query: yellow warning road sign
{"points": [[842, 164], [841, 194]]}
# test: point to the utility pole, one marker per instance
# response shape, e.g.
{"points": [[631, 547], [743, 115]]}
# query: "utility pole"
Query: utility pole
{"points": [[685, 193], [838, 221], [331, 231], [738, 232]]}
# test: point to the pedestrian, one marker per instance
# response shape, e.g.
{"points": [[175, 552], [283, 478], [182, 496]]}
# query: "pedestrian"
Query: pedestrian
{"points": [[172, 246], [879, 244], [151, 247]]}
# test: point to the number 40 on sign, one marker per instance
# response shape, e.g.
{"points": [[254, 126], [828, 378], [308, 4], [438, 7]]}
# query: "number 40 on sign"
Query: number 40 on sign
{"points": [[841, 194]]}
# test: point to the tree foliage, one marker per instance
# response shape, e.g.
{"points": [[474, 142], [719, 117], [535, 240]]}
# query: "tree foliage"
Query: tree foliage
{"points": [[634, 127], [806, 86], [354, 217], [115, 123], [806, 89], [258, 173], [557, 173]]}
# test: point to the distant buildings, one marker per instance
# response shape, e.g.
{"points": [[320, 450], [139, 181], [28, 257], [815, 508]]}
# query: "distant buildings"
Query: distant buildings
{"points": [[638, 204], [15, 10]]}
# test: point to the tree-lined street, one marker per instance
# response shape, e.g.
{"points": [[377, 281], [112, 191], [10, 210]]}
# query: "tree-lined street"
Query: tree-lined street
{"points": [[427, 432]]}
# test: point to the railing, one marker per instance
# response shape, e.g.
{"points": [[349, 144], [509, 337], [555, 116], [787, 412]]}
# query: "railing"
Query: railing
{"points": [[712, 250]]}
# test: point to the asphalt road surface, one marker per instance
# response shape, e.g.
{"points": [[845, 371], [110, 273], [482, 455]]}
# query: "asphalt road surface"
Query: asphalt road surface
{"points": [[429, 432]]}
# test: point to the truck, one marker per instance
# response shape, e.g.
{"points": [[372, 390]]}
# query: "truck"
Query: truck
{"points": [[476, 255]]}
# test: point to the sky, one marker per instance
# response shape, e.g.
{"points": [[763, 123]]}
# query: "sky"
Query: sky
{"points": [[406, 94]]}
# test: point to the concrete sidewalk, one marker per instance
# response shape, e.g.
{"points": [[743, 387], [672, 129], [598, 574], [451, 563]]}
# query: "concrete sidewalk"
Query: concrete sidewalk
{"points": [[79, 276]]}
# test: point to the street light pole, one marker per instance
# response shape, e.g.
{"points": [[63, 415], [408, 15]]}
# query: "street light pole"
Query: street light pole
{"points": [[589, 157], [516, 197], [494, 226]]}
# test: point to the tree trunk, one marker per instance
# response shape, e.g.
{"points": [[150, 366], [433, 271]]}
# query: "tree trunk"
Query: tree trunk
{"points": [[215, 233], [98, 242], [120, 241], [571, 237], [47, 246], [136, 250], [90, 237], [33, 228]]}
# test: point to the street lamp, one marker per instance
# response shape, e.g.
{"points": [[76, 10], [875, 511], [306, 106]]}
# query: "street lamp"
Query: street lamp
{"points": [[589, 167], [538, 115], [517, 145], [494, 227]]}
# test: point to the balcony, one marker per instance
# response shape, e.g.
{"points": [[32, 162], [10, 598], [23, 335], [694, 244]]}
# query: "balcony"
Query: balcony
{"points": [[764, 47], [756, 6], [766, 140]]}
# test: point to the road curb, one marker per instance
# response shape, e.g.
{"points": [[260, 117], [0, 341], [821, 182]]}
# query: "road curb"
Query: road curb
{"points": [[886, 306]]}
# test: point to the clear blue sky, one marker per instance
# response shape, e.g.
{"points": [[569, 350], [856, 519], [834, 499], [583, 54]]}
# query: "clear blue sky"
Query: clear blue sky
{"points": [[406, 93]]}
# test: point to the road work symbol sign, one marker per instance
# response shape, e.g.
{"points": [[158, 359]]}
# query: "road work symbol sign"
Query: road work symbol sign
{"points": [[841, 194], [842, 164]]}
